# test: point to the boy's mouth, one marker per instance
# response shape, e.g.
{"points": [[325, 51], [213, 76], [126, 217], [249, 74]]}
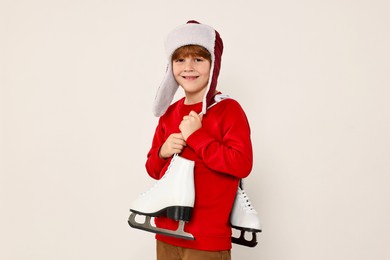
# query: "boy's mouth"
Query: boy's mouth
{"points": [[190, 77]]}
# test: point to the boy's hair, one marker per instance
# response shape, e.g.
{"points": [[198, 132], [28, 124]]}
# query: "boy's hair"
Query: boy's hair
{"points": [[191, 51]]}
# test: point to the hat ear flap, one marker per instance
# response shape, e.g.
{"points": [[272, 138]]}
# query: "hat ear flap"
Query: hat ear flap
{"points": [[165, 92], [214, 73]]}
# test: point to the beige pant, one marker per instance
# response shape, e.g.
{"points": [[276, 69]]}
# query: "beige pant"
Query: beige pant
{"points": [[169, 252]]}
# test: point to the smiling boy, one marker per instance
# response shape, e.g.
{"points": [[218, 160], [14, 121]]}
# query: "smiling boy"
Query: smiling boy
{"points": [[216, 138], [191, 69]]}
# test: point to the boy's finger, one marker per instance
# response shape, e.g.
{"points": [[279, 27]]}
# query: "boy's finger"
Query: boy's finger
{"points": [[196, 115], [193, 113]]}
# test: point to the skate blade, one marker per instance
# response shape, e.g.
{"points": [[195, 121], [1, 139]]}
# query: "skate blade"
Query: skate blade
{"points": [[147, 226], [244, 242]]}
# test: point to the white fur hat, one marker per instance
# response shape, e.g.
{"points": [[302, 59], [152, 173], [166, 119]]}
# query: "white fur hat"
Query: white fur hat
{"points": [[191, 33]]}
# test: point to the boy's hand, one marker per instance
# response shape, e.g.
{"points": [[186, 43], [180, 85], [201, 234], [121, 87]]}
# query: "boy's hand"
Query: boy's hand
{"points": [[190, 124], [174, 144]]}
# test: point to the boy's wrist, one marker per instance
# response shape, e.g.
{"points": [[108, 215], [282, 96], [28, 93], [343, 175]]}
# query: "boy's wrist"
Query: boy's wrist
{"points": [[160, 155]]}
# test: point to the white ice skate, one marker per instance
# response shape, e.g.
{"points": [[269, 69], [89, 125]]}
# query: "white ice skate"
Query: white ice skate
{"points": [[244, 218], [172, 196]]}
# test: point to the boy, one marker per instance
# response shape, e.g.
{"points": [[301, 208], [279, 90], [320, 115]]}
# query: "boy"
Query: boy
{"points": [[216, 139]]}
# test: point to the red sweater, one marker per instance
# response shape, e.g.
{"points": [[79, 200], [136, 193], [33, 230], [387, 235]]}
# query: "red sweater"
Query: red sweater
{"points": [[222, 152]]}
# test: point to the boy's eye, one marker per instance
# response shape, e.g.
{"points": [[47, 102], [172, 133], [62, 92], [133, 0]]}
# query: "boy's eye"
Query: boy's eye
{"points": [[199, 59], [179, 60]]}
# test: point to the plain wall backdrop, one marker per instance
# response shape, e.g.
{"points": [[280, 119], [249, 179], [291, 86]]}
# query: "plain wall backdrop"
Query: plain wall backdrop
{"points": [[77, 82]]}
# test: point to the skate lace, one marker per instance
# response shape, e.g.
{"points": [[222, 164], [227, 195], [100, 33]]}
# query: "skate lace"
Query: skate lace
{"points": [[245, 202], [163, 177]]}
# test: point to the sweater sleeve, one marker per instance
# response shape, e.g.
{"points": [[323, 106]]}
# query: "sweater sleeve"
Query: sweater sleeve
{"points": [[154, 164], [233, 153]]}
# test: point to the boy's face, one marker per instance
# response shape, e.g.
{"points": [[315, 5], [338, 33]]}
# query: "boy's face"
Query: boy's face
{"points": [[192, 73]]}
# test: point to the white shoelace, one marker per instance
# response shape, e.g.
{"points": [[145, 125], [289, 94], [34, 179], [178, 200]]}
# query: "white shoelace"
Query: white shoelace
{"points": [[245, 203]]}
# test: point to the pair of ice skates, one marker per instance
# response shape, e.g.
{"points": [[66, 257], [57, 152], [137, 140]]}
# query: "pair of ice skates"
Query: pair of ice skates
{"points": [[174, 196]]}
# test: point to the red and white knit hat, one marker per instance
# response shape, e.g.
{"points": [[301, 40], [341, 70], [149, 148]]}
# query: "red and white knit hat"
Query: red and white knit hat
{"points": [[191, 33]]}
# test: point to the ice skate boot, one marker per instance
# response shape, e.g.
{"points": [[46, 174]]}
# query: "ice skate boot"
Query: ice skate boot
{"points": [[172, 196], [244, 218]]}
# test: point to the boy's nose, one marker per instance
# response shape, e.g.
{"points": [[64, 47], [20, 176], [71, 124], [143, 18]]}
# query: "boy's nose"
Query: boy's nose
{"points": [[188, 66]]}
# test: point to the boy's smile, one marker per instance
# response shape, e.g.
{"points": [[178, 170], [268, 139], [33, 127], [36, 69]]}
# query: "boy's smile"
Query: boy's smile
{"points": [[190, 77], [192, 74]]}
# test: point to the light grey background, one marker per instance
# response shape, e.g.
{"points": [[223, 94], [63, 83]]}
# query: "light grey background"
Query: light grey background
{"points": [[77, 83]]}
